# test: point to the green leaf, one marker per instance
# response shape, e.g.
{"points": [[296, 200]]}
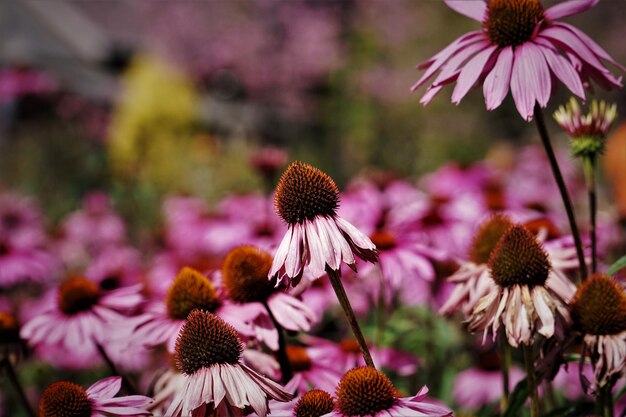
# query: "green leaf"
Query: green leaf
{"points": [[517, 399], [619, 264]]}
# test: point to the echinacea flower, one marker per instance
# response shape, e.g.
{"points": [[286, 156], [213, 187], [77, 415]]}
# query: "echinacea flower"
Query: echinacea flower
{"points": [[78, 315], [527, 298], [20, 265], [365, 391], [307, 200], [521, 45], [161, 321], [314, 403], [21, 222], [244, 276], [599, 313], [64, 398], [312, 369], [208, 352], [587, 131]]}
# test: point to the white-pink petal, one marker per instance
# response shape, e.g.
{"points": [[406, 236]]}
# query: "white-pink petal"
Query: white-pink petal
{"points": [[474, 9], [568, 8], [562, 68], [496, 85], [471, 72]]}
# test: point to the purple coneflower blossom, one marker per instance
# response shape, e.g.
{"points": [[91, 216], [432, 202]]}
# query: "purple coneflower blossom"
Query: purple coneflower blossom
{"points": [[475, 387], [21, 222], [367, 392], [522, 46], [314, 403], [312, 369], [307, 200], [23, 264], [115, 267], [599, 313], [208, 352], [67, 398], [527, 298], [161, 321], [78, 315]]}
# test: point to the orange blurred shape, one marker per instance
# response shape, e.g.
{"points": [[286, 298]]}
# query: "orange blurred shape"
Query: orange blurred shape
{"points": [[615, 167]]}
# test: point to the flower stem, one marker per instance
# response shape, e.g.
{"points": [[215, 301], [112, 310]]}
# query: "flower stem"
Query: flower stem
{"points": [[558, 177], [532, 381], [505, 352], [335, 280], [8, 366], [281, 354], [126, 383], [590, 178], [604, 401]]}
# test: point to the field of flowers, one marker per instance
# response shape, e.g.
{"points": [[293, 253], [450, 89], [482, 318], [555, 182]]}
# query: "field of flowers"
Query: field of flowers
{"points": [[240, 209]]}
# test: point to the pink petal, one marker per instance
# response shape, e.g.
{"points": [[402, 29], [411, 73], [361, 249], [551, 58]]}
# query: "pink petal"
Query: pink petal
{"points": [[568, 40], [281, 253], [470, 73], [530, 79], [435, 62], [450, 70], [105, 388], [568, 8], [562, 68], [474, 9], [591, 44], [496, 85]]}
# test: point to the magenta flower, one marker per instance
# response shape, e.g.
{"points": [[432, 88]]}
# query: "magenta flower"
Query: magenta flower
{"points": [[78, 315], [365, 391], [208, 352], [307, 200], [21, 222], [66, 398], [21, 265], [521, 45], [476, 387]]}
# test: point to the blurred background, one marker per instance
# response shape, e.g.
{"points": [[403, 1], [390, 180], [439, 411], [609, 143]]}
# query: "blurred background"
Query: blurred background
{"points": [[146, 98]]}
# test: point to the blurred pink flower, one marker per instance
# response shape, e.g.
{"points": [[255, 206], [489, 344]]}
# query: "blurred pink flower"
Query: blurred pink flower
{"points": [[522, 46], [19, 82], [67, 398], [475, 387], [21, 221], [24, 265]]}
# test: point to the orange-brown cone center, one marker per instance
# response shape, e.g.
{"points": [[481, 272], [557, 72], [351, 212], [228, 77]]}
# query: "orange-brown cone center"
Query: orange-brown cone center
{"points": [[298, 358], [190, 290], [78, 294], [65, 399], [364, 391], [314, 403], [599, 306], [487, 236], [244, 274], [512, 22]]}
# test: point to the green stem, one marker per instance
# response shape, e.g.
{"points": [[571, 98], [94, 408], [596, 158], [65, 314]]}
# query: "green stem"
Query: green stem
{"points": [[8, 366], [532, 381], [558, 177], [505, 352], [589, 164], [126, 383], [604, 401], [281, 354], [335, 281]]}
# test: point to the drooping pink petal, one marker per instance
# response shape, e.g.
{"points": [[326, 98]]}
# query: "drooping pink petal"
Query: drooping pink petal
{"points": [[569, 41], [105, 388], [474, 9], [568, 8], [471, 72], [452, 67], [281, 253], [546, 316], [542, 79], [529, 80], [562, 68], [496, 85], [591, 44], [434, 63]]}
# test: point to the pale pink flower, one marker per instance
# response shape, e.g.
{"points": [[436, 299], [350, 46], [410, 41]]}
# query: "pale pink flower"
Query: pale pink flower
{"points": [[23, 265], [78, 315], [67, 398], [307, 200], [522, 46], [475, 387], [527, 299], [208, 352], [21, 222], [365, 391]]}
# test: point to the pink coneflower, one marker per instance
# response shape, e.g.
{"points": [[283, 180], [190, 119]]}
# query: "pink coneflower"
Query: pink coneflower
{"points": [[307, 200], [244, 276], [21, 265], [21, 222], [161, 321], [69, 399], [520, 45], [80, 317], [527, 299], [208, 352], [599, 313], [314, 403], [115, 267], [367, 392]]}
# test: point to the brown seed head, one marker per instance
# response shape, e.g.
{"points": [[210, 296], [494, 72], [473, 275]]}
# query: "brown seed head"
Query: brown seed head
{"points": [[487, 237], [190, 290], [383, 240], [244, 274], [206, 340], [65, 399], [314, 403], [304, 192], [77, 294], [599, 306], [518, 258], [364, 391], [512, 22]]}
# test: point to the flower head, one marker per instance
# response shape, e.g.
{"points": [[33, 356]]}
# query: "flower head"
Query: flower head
{"points": [[314, 403], [208, 352], [587, 131], [520, 46], [529, 297], [67, 399], [365, 391], [599, 312], [307, 200]]}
